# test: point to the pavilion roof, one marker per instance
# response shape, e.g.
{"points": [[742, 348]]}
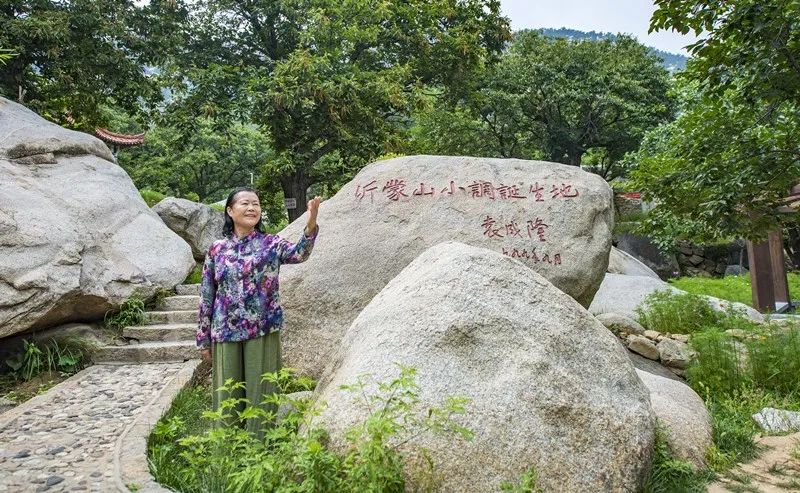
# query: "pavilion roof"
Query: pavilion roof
{"points": [[119, 139]]}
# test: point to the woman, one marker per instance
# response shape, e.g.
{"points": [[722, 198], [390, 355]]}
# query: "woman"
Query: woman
{"points": [[240, 313]]}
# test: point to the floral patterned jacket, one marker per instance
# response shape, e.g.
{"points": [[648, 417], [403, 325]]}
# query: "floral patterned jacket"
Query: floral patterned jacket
{"points": [[239, 289]]}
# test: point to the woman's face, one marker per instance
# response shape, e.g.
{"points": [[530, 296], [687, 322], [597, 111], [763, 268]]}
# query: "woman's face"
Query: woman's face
{"points": [[245, 210]]}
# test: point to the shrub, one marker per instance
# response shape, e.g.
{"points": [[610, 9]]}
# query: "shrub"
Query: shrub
{"points": [[151, 197], [294, 455], [676, 313], [65, 354], [130, 313], [196, 276], [670, 474], [768, 358]]}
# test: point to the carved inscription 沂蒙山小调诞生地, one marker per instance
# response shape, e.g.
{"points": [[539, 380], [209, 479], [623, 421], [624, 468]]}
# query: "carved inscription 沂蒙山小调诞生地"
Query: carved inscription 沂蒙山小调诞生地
{"points": [[535, 228]]}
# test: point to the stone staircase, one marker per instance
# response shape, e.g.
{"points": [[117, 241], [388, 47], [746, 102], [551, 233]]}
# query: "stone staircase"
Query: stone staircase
{"points": [[168, 334]]}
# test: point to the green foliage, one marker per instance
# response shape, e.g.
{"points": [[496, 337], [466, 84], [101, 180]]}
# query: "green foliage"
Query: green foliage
{"points": [[65, 354], [676, 313], [72, 57], [295, 455], [201, 166], [737, 373], [747, 44], [158, 298], [196, 276], [737, 377], [558, 99], [669, 474], [723, 167], [151, 197], [6, 55], [526, 484], [720, 170], [767, 358], [731, 288], [328, 82], [131, 313]]}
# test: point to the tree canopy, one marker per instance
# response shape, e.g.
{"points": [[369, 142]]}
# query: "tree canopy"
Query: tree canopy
{"points": [[723, 167], [556, 99], [325, 79], [71, 57]]}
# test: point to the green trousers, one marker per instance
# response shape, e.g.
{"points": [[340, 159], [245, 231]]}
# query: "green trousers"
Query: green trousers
{"points": [[245, 362]]}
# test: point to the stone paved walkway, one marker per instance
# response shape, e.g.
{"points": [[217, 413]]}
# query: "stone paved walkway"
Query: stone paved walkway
{"points": [[77, 436]]}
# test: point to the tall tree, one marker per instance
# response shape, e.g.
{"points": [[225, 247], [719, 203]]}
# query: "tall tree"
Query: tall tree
{"points": [[325, 79], [207, 163], [559, 99], [723, 168], [74, 56]]}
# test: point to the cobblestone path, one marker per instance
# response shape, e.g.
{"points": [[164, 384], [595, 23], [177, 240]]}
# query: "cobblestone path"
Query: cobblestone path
{"points": [[69, 438]]}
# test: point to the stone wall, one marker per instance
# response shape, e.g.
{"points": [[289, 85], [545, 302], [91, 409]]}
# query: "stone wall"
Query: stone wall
{"points": [[710, 261]]}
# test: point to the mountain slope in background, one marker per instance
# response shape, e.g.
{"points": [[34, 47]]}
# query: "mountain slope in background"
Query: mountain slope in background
{"points": [[671, 61]]}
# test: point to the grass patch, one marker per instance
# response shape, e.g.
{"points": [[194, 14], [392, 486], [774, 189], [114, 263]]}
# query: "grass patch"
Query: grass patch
{"points": [[673, 313], [670, 474], [42, 364], [196, 276], [737, 373], [739, 377], [769, 359], [131, 313], [731, 288], [151, 197]]}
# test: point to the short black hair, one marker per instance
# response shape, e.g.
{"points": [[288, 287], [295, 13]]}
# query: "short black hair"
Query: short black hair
{"points": [[227, 228]]}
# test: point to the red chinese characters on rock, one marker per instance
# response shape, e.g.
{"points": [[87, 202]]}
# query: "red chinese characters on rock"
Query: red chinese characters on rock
{"points": [[394, 189], [489, 228], [537, 227], [564, 191], [532, 255], [478, 189], [370, 188]]}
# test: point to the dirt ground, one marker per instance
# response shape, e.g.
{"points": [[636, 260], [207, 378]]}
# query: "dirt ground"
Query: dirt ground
{"points": [[776, 470]]}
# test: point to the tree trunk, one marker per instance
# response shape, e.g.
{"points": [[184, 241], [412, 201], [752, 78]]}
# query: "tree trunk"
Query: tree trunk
{"points": [[294, 187]]}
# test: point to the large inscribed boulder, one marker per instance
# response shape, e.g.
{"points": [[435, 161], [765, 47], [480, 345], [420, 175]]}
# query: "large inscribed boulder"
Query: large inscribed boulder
{"points": [[555, 219], [549, 387], [76, 239]]}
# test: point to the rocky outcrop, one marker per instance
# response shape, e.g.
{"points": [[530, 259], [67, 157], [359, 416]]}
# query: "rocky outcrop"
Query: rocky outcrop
{"points": [[198, 224], [620, 262], [549, 387], [622, 294], [76, 238]]}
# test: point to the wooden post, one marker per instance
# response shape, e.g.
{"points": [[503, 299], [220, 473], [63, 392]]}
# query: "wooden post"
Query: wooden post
{"points": [[761, 280], [779, 278]]}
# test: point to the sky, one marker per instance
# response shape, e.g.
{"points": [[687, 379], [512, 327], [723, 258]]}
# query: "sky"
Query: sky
{"points": [[615, 16]]}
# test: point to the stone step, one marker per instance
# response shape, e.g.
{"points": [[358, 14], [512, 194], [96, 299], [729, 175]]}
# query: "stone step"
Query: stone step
{"points": [[171, 317], [187, 289], [181, 302], [147, 352], [161, 332]]}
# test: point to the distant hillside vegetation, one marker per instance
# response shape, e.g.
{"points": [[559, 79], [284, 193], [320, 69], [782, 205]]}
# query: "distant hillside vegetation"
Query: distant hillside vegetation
{"points": [[672, 61]]}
